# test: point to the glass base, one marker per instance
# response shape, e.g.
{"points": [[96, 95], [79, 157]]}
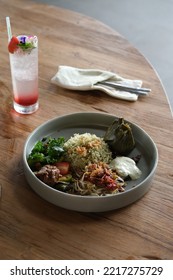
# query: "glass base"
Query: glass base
{"points": [[25, 109]]}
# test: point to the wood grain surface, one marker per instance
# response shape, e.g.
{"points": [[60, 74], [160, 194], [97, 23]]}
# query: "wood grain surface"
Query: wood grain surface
{"points": [[31, 228]]}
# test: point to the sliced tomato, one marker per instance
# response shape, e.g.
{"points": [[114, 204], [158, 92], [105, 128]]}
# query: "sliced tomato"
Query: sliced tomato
{"points": [[13, 44], [63, 167]]}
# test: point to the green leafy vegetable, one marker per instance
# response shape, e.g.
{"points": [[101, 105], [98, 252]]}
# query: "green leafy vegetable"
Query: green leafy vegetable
{"points": [[119, 137], [46, 152]]}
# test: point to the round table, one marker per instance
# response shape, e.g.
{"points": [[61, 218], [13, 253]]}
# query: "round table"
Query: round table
{"points": [[32, 228]]}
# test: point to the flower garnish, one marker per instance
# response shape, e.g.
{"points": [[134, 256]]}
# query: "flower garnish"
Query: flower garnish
{"points": [[27, 42], [23, 42]]}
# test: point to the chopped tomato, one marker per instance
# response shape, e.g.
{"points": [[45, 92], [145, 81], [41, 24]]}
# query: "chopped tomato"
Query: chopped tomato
{"points": [[63, 167], [13, 44]]}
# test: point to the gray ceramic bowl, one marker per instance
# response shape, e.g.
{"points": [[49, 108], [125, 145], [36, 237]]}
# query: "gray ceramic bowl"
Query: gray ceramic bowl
{"points": [[93, 123]]}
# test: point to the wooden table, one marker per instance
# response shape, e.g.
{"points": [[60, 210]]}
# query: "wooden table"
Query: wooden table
{"points": [[31, 228]]}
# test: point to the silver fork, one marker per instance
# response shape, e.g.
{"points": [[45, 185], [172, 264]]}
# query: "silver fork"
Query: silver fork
{"points": [[136, 90]]}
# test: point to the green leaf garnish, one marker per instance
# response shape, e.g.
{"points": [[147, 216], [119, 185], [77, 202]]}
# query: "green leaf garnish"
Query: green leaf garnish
{"points": [[26, 46]]}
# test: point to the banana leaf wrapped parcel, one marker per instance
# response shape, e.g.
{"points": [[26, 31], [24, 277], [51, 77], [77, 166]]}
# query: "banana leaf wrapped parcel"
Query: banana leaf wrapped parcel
{"points": [[119, 137]]}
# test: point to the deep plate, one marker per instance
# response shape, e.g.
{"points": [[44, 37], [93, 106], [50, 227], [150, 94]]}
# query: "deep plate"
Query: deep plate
{"points": [[96, 123]]}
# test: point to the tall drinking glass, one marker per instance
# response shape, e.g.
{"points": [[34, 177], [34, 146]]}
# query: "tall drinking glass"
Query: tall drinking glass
{"points": [[24, 72]]}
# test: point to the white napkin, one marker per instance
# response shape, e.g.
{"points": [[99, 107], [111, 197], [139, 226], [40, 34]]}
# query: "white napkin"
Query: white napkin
{"points": [[87, 79]]}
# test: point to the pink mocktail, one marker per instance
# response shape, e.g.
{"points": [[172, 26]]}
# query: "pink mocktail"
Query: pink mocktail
{"points": [[24, 70]]}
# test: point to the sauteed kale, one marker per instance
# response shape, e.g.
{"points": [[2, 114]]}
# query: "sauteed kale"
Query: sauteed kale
{"points": [[46, 151]]}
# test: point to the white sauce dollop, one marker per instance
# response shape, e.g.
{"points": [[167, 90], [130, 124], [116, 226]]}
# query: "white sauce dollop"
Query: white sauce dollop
{"points": [[125, 166]]}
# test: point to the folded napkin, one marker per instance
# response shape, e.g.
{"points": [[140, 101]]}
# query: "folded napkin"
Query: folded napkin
{"points": [[87, 79]]}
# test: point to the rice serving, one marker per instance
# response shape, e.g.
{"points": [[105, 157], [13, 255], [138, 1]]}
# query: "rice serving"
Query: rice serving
{"points": [[86, 148]]}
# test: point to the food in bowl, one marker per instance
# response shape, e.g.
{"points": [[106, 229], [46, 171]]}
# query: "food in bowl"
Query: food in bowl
{"points": [[85, 164], [144, 153]]}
